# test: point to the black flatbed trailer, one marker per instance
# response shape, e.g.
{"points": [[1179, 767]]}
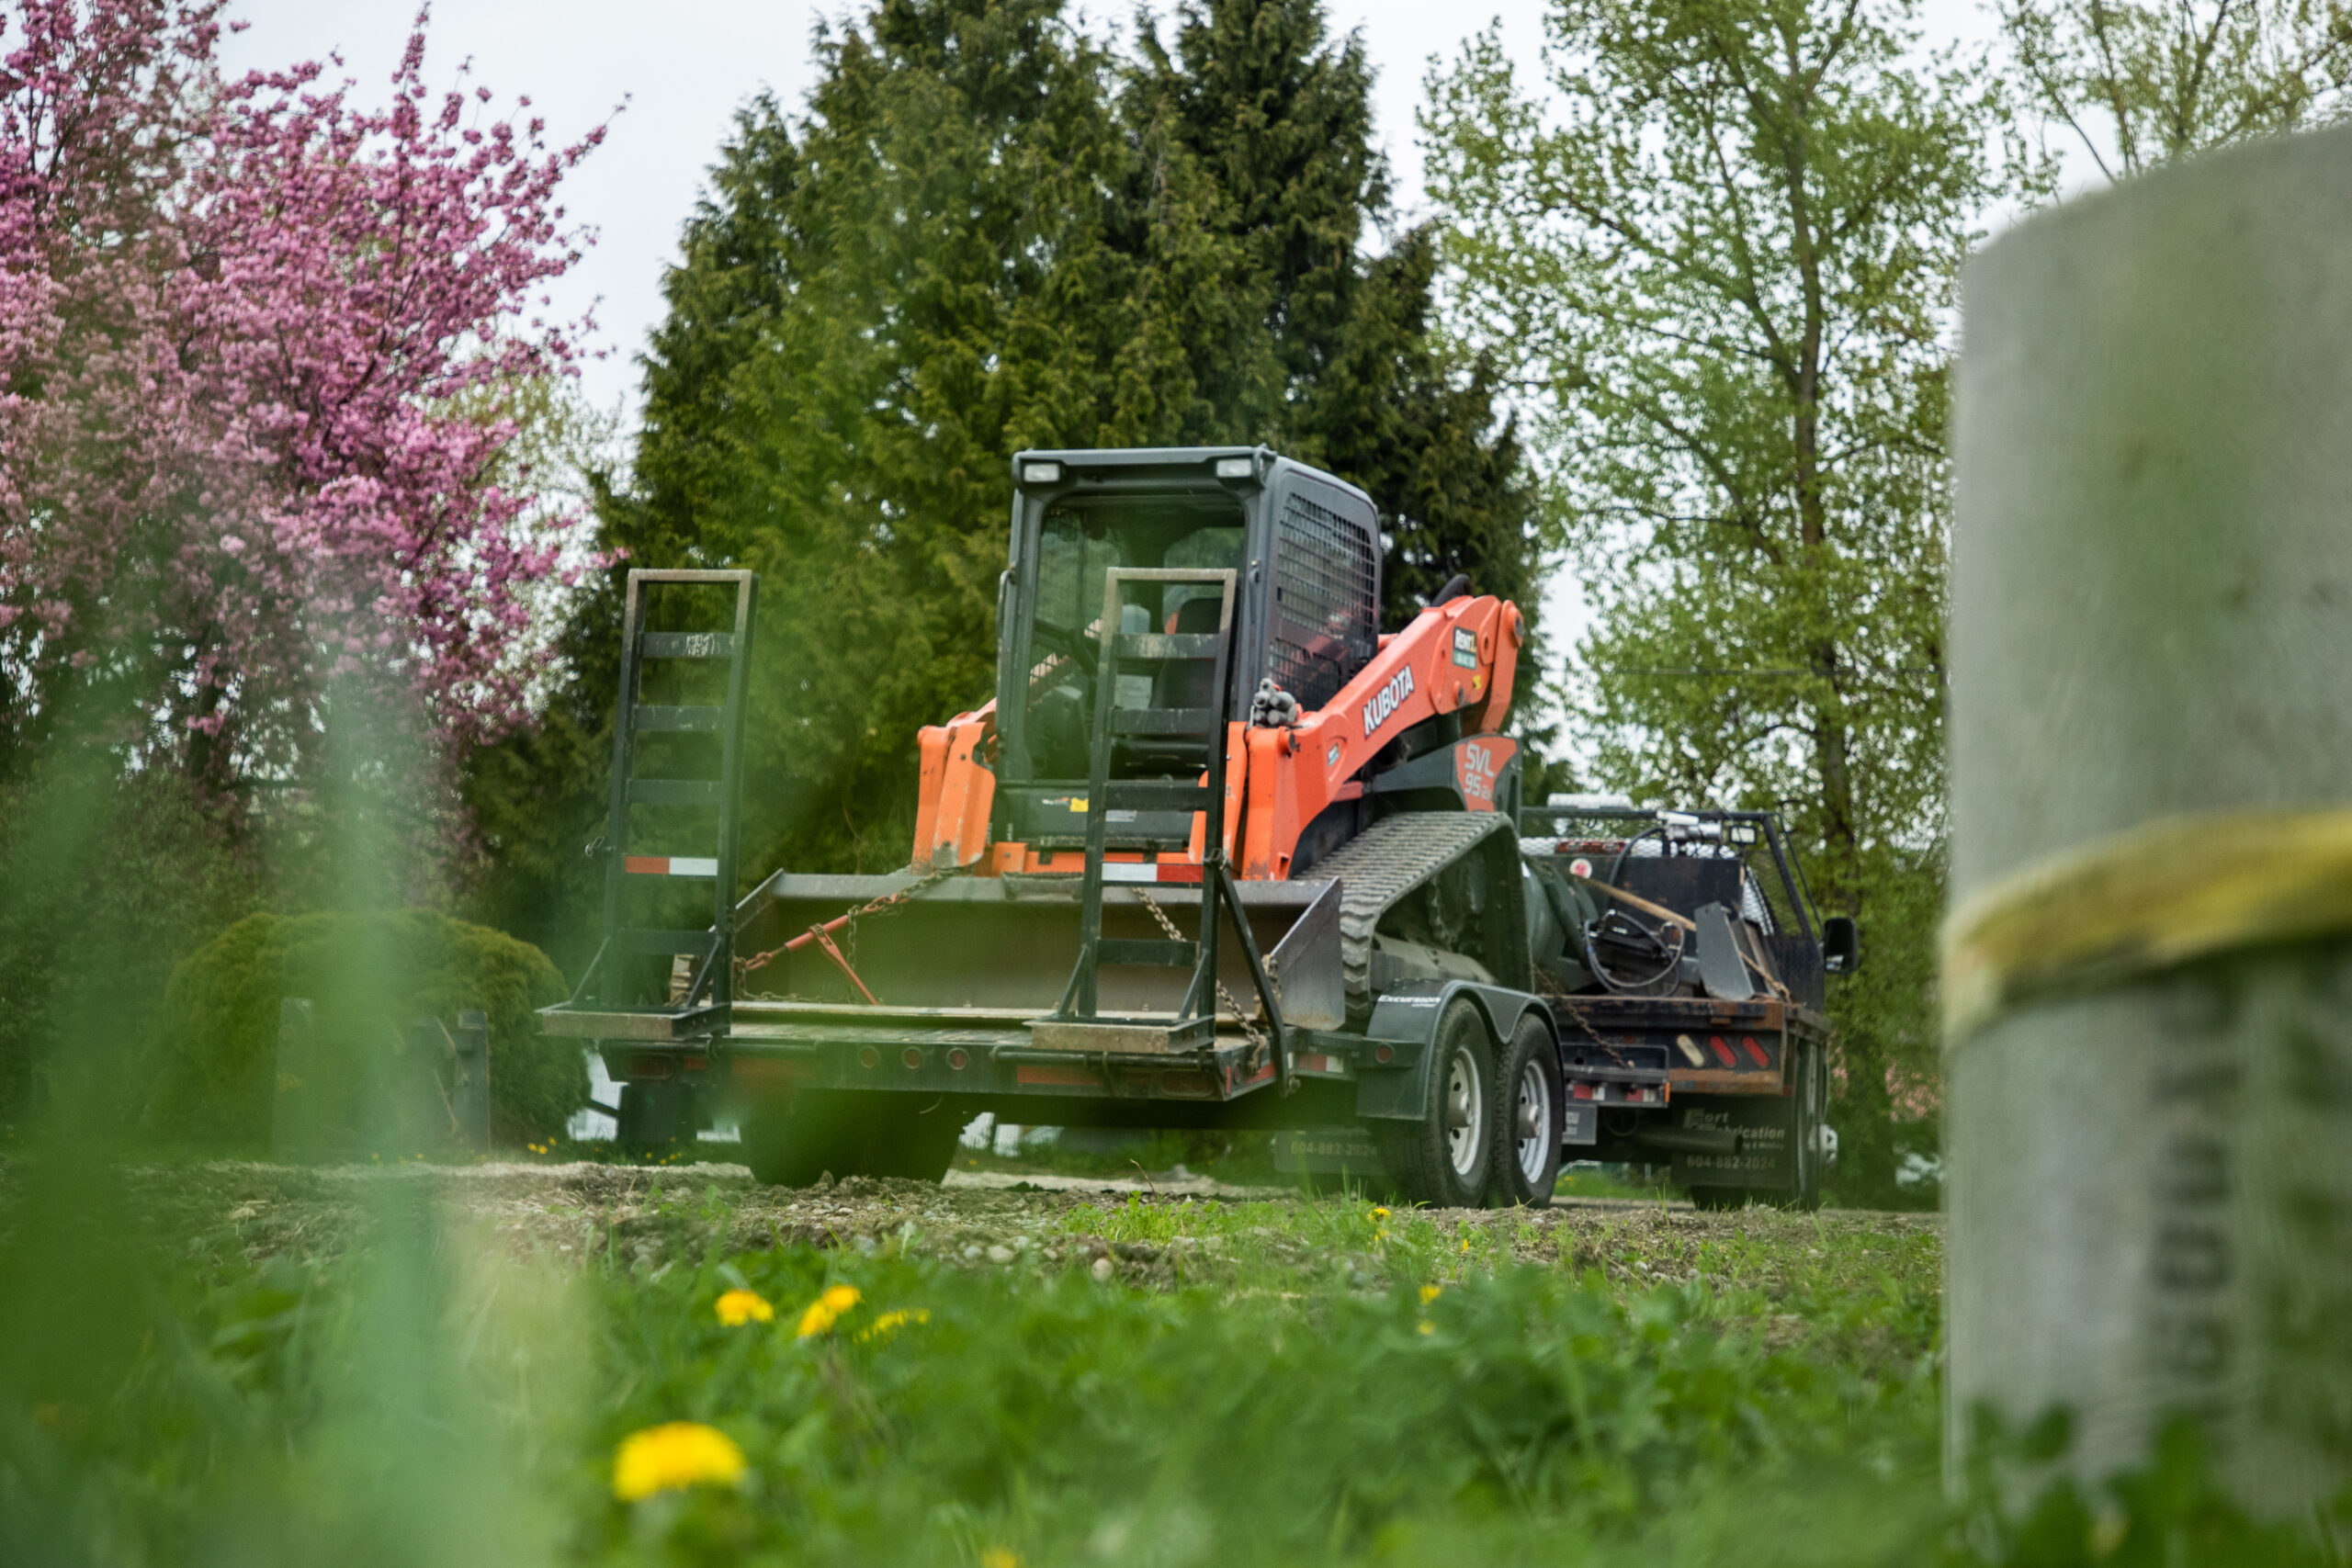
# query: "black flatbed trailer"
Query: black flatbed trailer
{"points": [[1728, 1093]]}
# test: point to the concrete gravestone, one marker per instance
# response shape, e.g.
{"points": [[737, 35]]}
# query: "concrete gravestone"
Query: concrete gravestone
{"points": [[2149, 967]]}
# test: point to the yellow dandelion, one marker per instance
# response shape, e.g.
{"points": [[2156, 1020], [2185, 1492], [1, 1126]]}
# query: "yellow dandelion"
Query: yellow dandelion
{"points": [[1426, 1326], [737, 1308], [889, 1323], [680, 1454], [1000, 1557], [1379, 1214], [1466, 1244], [1431, 1294], [827, 1309]]}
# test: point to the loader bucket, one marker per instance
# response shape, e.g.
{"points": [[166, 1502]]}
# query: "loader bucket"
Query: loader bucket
{"points": [[1006, 945]]}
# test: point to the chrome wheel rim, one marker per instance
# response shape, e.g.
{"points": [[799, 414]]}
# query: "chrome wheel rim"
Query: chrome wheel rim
{"points": [[1533, 1108], [1466, 1114]]}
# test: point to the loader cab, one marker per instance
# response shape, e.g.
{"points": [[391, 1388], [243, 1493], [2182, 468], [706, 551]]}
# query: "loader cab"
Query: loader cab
{"points": [[1306, 551]]}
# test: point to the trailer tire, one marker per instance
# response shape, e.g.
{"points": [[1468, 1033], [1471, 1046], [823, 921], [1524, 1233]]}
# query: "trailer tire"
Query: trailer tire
{"points": [[1443, 1159], [1808, 1114], [907, 1138], [1526, 1118], [797, 1142], [848, 1133], [654, 1118]]}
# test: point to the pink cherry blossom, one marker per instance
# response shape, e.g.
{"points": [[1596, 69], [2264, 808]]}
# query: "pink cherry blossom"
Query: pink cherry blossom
{"points": [[253, 338]]}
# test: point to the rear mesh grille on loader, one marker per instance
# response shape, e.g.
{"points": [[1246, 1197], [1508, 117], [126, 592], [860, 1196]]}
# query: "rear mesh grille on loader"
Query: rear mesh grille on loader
{"points": [[1327, 619]]}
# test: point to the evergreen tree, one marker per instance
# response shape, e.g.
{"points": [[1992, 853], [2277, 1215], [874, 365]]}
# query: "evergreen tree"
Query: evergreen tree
{"points": [[1341, 368], [1279, 119], [1401, 418]]}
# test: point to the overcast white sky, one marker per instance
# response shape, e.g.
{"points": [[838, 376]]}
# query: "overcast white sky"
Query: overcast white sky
{"points": [[684, 66]]}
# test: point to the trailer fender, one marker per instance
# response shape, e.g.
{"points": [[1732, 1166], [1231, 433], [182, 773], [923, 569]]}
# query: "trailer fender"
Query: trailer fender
{"points": [[1407, 1019]]}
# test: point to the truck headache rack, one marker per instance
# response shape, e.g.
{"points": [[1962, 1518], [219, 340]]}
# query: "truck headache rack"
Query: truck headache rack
{"points": [[692, 834], [1075, 1023]]}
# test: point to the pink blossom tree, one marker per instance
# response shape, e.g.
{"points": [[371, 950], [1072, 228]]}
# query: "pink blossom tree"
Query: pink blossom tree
{"points": [[253, 341]]}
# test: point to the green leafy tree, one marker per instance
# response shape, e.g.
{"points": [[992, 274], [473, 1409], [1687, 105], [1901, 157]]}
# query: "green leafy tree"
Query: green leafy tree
{"points": [[1719, 251], [2141, 83]]}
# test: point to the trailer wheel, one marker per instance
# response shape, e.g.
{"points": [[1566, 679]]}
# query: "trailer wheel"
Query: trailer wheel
{"points": [[793, 1143], [906, 1137], [1527, 1117], [1808, 1116], [849, 1134], [654, 1118], [1444, 1159]]}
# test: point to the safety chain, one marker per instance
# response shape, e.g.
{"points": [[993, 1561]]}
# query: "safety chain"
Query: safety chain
{"points": [[1257, 1041], [889, 902], [1574, 1012], [851, 916]]}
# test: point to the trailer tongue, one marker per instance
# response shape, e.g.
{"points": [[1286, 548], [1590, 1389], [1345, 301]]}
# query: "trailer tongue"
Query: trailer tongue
{"points": [[1131, 905]]}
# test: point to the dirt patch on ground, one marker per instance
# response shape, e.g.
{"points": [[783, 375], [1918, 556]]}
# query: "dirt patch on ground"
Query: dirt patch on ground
{"points": [[640, 1217]]}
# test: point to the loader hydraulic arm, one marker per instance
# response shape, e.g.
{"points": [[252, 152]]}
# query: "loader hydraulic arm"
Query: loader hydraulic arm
{"points": [[957, 790], [1458, 657]]}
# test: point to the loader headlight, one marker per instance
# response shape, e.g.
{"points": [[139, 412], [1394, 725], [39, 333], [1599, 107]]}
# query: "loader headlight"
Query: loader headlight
{"points": [[1041, 473], [1234, 468]]}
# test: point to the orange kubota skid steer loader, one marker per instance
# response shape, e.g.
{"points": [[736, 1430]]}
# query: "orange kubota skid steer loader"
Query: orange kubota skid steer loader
{"points": [[1219, 852]]}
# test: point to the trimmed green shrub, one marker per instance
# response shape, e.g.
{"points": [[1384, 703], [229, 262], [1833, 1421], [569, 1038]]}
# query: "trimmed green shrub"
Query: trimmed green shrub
{"points": [[367, 975], [110, 881]]}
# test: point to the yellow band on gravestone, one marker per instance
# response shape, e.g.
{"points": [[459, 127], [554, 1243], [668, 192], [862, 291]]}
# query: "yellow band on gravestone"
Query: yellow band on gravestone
{"points": [[2123, 908]]}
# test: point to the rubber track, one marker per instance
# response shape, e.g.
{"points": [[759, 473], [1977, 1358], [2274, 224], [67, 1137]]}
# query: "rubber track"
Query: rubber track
{"points": [[1384, 864]]}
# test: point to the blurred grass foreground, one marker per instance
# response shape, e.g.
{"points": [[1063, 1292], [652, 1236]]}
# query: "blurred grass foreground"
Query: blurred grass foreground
{"points": [[235, 1363], [206, 1360], [406, 1360], [232, 1362]]}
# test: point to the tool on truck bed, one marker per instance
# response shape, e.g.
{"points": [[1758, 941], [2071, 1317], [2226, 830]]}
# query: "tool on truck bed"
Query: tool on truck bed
{"points": [[1219, 852]]}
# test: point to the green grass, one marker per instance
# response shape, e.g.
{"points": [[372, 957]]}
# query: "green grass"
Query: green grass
{"points": [[1066, 1421], [1135, 1382]]}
